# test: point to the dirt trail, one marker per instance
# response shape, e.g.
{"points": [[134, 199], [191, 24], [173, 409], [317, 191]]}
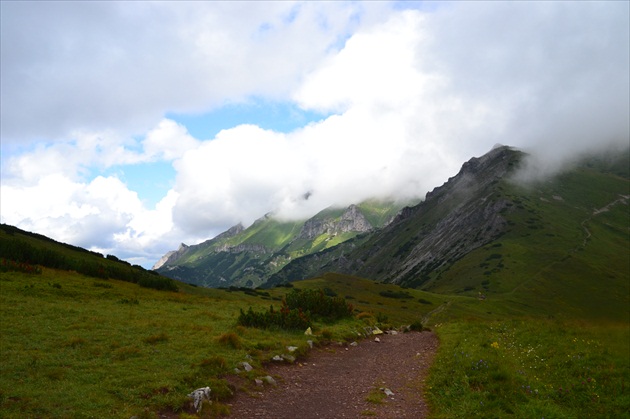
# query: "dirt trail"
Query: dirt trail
{"points": [[334, 382]]}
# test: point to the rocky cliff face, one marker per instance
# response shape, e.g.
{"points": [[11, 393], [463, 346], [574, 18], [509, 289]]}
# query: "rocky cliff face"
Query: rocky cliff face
{"points": [[171, 256], [351, 220], [455, 218], [248, 257]]}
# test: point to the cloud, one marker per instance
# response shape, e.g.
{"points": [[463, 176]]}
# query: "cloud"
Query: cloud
{"points": [[97, 65], [410, 95]]}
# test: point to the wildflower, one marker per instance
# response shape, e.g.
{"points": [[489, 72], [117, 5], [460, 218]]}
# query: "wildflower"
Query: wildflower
{"points": [[495, 345]]}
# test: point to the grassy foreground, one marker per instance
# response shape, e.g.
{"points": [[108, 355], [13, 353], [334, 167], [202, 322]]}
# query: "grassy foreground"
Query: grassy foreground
{"points": [[531, 368], [73, 346]]}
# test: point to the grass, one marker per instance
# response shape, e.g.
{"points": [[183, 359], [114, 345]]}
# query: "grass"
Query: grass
{"points": [[107, 348], [535, 324], [531, 368]]}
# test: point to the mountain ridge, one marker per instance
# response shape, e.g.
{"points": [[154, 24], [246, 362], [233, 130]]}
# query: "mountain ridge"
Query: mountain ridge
{"points": [[247, 256]]}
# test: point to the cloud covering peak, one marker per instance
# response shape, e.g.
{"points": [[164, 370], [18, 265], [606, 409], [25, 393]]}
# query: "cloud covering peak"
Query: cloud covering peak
{"points": [[393, 100]]}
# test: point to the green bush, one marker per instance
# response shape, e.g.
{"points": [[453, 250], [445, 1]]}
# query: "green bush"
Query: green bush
{"points": [[296, 310], [318, 304], [395, 294]]}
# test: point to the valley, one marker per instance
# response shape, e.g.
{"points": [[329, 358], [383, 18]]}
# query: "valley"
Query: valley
{"points": [[526, 286]]}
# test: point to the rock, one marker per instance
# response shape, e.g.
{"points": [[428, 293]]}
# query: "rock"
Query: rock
{"points": [[377, 340], [387, 391], [269, 379], [392, 332], [308, 332], [292, 348], [310, 343], [199, 396], [259, 382], [277, 358], [288, 358], [237, 371], [354, 344], [377, 331], [246, 366]]}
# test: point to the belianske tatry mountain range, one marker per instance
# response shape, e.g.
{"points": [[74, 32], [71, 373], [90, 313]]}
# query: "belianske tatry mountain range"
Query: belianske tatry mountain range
{"points": [[481, 232], [526, 284]]}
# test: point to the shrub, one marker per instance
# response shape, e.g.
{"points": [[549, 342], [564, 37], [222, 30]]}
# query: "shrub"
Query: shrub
{"points": [[12, 266], [395, 294], [381, 318], [230, 339], [318, 304], [416, 326], [296, 310], [284, 318]]}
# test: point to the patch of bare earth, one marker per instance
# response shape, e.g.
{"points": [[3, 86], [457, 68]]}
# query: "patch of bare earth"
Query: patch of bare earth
{"points": [[335, 382]]}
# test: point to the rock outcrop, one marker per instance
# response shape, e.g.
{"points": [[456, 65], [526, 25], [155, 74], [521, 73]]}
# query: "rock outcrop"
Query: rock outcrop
{"points": [[170, 256], [351, 220]]}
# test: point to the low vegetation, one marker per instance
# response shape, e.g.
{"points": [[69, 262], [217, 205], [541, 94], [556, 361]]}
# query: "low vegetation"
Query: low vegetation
{"points": [[531, 368], [74, 345], [534, 324], [297, 309]]}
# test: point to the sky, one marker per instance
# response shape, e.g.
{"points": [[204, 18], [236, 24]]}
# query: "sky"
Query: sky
{"points": [[130, 127]]}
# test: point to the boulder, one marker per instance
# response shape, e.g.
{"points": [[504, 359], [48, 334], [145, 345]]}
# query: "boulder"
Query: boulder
{"points": [[199, 396]]}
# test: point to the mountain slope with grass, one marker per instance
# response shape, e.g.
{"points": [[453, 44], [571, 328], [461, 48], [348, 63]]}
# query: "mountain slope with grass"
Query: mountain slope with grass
{"points": [[484, 234], [533, 319], [248, 256]]}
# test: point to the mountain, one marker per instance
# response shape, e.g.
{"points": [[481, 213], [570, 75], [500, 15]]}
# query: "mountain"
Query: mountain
{"points": [[483, 232], [249, 256], [24, 251]]}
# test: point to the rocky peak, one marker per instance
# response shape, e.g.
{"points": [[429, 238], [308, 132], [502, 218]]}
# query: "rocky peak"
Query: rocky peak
{"points": [[352, 219], [171, 256]]}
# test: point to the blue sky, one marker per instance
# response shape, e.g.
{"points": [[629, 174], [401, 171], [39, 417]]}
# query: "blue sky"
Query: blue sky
{"points": [[130, 127]]}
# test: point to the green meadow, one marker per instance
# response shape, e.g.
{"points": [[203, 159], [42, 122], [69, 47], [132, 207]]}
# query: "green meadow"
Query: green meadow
{"points": [[75, 346], [535, 324]]}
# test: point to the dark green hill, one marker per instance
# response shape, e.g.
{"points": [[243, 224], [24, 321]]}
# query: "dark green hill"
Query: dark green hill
{"points": [[24, 251]]}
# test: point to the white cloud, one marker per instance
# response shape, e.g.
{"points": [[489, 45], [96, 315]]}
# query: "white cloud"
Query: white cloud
{"points": [[168, 141], [414, 95], [93, 66]]}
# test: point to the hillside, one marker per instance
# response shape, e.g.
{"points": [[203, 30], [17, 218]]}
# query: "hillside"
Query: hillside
{"points": [[482, 233], [24, 251], [532, 313], [249, 256]]}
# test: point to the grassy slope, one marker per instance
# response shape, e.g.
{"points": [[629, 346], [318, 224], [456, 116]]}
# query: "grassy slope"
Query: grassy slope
{"points": [[205, 266], [553, 335], [559, 257], [74, 346], [550, 340]]}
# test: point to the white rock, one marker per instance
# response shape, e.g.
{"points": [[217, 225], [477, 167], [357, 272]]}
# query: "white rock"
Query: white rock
{"points": [[377, 340], [292, 348], [199, 396], [310, 343], [269, 379], [387, 392], [354, 344], [246, 366]]}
